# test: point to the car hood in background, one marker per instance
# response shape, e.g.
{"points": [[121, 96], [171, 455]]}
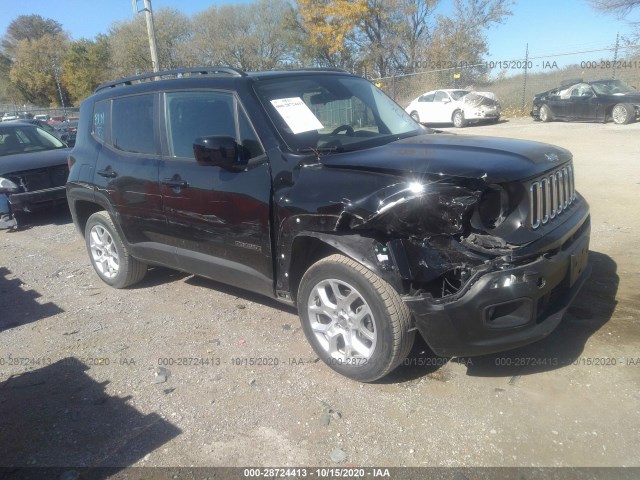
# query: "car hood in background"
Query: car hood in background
{"points": [[490, 158], [476, 99], [32, 160]]}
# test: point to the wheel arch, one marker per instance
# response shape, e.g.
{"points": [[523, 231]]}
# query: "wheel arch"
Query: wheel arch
{"points": [[83, 204], [310, 247], [630, 109]]}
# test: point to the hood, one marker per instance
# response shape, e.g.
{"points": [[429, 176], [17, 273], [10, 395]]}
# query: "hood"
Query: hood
{"points": [[489, 158], [33, 160], [476, 99]]}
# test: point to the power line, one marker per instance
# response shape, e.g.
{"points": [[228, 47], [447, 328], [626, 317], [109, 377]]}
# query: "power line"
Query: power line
{"points": [[483, 64]]}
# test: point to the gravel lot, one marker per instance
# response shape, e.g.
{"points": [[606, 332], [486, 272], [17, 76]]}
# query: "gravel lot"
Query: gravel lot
{"points": [[79, 360]]}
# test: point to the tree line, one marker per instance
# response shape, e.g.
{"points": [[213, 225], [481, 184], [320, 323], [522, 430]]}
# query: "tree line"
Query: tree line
{"points": [[40, 63]]}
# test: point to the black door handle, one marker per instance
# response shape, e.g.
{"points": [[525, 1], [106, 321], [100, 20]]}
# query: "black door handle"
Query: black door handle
{"points": [[108, 173], [175, 183]]}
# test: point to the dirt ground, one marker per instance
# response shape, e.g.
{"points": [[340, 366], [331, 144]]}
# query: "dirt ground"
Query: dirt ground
{"points": [[79, 360]]}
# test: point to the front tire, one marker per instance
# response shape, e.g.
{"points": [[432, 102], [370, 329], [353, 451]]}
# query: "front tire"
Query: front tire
{"points": [[458, 119], [415, 116], [623, 114], [545, 114], [109, 255], [354, 320]]}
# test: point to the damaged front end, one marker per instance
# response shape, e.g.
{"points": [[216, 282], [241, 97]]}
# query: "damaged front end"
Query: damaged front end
{"points": [[462, 254], [436, 232], [481, 105], [7, 219]]}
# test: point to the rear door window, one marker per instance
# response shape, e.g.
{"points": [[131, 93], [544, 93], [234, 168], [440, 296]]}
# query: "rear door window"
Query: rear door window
{"points": [[132, 124]]}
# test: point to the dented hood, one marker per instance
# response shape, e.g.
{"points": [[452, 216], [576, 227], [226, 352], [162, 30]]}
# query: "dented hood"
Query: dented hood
{"points": [[493, 159]]}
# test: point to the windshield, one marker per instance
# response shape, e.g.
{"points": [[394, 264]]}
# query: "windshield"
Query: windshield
{"points": [[612, 87], [26, 138], [333, 113]]}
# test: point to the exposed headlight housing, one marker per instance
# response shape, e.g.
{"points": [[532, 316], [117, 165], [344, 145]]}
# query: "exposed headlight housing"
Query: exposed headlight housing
{"points": [[493, 208], [7, 186]]}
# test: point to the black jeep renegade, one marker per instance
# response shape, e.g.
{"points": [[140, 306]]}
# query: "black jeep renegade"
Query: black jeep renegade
{"points": [[315, 188]]}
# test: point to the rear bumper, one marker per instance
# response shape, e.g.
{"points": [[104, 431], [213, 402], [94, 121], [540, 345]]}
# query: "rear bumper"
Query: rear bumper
{"points": [[39, 198], [508, 308]]}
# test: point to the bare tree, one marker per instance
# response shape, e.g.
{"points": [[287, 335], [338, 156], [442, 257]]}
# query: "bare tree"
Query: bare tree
{"points": [[620, 8], [460, 39], [415, 31], [129, 47], [251, 36]]}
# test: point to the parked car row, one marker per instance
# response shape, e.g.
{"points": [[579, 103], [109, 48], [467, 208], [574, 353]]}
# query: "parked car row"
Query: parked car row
{"points": [[574, 100], [8, 116]]}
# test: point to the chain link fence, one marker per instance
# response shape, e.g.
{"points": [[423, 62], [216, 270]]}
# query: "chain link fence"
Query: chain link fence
{"points": [[515, 82], [30, 111]]}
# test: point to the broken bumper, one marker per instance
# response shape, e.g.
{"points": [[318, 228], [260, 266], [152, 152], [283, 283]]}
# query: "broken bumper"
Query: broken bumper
{"points": [[483, 113], [508, 308], [32, 200]]}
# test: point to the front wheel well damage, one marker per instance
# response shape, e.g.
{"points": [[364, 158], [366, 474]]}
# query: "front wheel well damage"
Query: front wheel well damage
{"points": [[305, 251]]}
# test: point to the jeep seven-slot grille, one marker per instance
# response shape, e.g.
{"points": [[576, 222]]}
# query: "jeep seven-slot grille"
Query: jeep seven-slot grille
{"points": [[551, 195]]}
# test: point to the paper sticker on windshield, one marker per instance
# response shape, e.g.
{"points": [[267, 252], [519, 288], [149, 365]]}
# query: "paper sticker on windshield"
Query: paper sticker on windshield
{"points": [[297, 115]]}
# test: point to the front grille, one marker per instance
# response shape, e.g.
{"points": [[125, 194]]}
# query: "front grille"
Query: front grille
{"points": [[551, 195], [34, 180]]}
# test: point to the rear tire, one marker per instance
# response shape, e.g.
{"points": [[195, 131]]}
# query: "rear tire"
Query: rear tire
{"points": [[109, 255], [354, 320], [623, 114]]}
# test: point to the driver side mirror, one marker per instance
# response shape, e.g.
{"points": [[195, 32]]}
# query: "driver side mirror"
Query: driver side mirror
{"points": [[217, 151], [446, 100]]}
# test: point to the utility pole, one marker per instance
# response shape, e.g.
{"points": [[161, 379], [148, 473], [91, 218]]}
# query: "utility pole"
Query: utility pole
{"points": [[524, 82], [615, 56], [56, 76], [151, 31]]}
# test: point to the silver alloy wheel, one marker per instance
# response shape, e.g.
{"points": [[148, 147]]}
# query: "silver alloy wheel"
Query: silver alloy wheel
{"points": [[544, 114], [458, 119], [342, 321], [103, 251], [415, 116], [619, 114]]}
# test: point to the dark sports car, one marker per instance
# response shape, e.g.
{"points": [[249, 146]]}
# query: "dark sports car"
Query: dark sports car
{"points": [[33, 168], [581, 101]]}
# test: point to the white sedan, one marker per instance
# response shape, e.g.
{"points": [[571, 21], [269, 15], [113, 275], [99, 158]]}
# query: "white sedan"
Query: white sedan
{"points": [[454, 106]]}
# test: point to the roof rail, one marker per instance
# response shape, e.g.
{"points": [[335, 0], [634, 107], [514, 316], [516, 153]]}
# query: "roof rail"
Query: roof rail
{"points": [[180, 72], [325, 69]]}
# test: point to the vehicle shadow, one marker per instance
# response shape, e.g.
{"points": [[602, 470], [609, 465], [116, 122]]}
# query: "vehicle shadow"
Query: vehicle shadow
{"points": [[58, 416], [592, 308], [53, 215], [241, 294], [19, 306], [159, 276]]}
